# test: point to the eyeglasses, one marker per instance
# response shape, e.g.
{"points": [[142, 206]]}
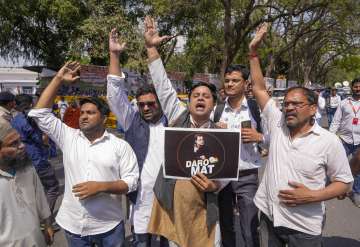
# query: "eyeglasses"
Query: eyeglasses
{"points": [[296, 105], [146, 103], [233, 80]]}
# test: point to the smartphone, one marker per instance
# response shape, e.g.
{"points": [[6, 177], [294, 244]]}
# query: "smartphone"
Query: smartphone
{"points": [[246, 124]]}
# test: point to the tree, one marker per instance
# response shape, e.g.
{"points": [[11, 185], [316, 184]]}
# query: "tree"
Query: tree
{"points": [[39, 29]]}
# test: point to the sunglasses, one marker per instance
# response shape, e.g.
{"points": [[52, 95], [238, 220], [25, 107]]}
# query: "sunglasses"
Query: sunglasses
{"points": [[146, 103]]}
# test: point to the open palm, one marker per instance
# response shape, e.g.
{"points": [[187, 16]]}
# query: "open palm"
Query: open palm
{"points": [[151, 35], [259, 36], [70, 72], [114, 43]]}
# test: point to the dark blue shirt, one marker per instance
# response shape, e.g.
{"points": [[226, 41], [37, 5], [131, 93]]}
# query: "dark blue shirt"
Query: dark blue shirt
{"points": [[31, 136]]}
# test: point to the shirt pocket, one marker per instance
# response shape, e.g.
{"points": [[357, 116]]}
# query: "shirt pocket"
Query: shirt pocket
{"points": [[309, 169]]}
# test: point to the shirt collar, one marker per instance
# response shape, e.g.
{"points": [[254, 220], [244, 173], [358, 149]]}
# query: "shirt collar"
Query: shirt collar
{"points": [[315, 129], [244, 104], [204, 125], [4, 110], [6, 174], [106, 135]]}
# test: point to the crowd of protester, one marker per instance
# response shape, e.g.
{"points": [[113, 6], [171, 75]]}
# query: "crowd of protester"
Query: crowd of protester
{"points": [[305, 164]]}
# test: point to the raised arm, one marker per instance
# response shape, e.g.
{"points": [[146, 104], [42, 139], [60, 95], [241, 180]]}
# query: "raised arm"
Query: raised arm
{"points": [[259, 88], [116, 95], [47, 122], [167, 95], [68, 73]]}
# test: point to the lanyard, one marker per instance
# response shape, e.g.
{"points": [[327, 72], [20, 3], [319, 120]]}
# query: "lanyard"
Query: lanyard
{"points": [[353, 108]]}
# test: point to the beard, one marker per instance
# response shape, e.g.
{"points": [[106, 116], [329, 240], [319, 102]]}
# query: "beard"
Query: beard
{"points": [[17, 163]]}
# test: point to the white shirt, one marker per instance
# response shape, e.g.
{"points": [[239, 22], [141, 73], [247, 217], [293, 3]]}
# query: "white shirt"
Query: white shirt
{"points": [[334, 101], [342, 123], [149, 173], [106, 159], [23, 205], [125, 112], [320, 107], [249, 153], [308, 159]]}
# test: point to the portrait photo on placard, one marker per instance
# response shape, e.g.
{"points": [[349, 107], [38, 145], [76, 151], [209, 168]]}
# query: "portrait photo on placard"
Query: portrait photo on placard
{"points": [[213, 152]]}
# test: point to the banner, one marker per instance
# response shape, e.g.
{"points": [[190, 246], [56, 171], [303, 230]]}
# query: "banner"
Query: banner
{"points": [[212, 152]]}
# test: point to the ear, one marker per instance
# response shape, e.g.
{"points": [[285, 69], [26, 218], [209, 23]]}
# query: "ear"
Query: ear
{"points": [[105, 119], [313, 109]]}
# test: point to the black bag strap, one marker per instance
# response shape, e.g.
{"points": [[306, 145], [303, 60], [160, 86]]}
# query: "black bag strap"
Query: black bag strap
{"points": [[218, 111], [255, 113]]}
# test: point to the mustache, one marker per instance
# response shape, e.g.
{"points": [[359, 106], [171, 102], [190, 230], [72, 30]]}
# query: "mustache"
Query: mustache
{"points": [[290, 114]]}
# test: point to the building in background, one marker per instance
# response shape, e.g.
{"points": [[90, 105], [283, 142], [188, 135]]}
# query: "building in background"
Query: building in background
{"points": [[18, 80]]}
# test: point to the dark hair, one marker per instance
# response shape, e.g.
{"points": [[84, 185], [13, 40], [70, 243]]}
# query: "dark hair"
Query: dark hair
{"points": [[100, 104], [198, 135], [146, 89], [23, 101], [239, 68], [356, 80], [310, 95], [210, 86]]}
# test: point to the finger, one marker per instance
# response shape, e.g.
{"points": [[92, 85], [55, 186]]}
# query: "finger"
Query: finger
{"points": [[288, 192], [165, 38], [199, 180], [84, 196], [81, 194], [112, 33], [123, 45], [153, 24], [75, 78], [72, 64], [288, 202], [78, 189], [79, 185], [197, 184], [202, 176], [148, 22], [76, 69], [286, 196], [295, 184]]}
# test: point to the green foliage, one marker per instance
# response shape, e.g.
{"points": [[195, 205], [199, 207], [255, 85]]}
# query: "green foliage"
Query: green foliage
{"points": [[39, 29]]}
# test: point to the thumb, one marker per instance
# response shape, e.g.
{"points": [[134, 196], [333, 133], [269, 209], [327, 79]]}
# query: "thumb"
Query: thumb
{"points": [[295, 184], [165, 38]]}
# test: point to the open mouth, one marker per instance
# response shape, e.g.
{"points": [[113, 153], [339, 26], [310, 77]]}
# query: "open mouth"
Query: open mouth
{"points": [[200, 106], [290, 117]]}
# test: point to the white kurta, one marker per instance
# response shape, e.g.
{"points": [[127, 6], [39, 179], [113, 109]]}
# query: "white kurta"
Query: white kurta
{"points": [[152, 164]]}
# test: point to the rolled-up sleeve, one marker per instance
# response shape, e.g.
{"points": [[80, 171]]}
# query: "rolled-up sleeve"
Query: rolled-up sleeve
{"points": [[51, 125], [338, 168], [129, 171]]}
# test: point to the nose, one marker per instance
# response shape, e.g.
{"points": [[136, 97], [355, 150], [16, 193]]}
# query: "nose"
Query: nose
{"points": [[22, 145], [83, 116], [146, 107]]}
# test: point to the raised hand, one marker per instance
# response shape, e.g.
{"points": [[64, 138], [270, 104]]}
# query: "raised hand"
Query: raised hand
{"points": [[115, 46], [69, 72], [151, 35], [259, 36]]}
